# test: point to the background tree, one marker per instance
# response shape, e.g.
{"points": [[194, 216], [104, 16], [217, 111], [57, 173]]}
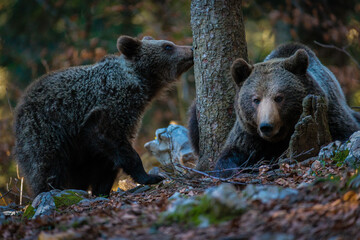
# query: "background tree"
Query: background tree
{"points": [[38, 36], [218, 39]]}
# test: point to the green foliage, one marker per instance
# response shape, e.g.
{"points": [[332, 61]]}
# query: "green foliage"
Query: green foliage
{"points": [[340, 157], [67, 199], [29, 212]]}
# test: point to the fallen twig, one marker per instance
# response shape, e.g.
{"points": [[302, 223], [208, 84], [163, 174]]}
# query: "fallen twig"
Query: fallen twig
{"points": [[210, 176]]}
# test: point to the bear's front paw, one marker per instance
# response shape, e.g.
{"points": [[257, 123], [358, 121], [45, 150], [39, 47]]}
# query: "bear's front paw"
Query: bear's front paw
{"points": [[225, 168], [312, 129]]}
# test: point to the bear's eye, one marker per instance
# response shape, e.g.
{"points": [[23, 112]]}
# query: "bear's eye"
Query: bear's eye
{"points": [[256, 101], [279, 99], [168, 47]]}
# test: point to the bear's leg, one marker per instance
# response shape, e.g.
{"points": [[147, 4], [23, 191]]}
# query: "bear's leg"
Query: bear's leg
{"points": [[193, 128], [229, 161], [312, 130], [131, 163], [40, 165], [104, 182]]}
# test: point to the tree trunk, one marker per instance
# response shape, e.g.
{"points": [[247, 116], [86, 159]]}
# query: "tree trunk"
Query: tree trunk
{"points": [[218, 39]]}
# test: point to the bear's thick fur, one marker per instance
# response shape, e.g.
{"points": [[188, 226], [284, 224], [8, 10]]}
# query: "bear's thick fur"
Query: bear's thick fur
{"points": [[268, 104], [75, 127]]}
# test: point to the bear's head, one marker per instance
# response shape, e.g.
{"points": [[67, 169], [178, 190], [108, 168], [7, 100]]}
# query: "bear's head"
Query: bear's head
{"points": [[156, 59], [269, 97]]}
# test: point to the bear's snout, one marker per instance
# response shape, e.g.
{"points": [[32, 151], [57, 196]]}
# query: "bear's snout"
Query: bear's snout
{"points": [[266, 128], [268, 119]]}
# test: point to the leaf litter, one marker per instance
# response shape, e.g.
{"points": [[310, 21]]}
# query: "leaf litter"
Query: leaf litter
{"points": [[323, 202]]}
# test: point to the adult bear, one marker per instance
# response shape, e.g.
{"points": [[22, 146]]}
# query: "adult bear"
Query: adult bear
{"points": [[268, 104], [74, 128]]}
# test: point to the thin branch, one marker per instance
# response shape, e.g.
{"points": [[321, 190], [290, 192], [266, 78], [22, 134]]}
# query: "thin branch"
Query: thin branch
{"points": [[8, 100], [343, 50], [210, 176]]}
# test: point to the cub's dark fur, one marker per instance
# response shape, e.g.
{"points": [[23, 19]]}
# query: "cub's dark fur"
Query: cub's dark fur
{"points": [[75, 127]]}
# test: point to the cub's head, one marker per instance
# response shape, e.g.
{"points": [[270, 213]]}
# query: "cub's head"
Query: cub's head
{"points": [[158, 59], [270, 94]]}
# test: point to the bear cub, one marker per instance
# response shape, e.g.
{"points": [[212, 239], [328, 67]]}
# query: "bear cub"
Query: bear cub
{"points": [[75, 127], [268, 105]]}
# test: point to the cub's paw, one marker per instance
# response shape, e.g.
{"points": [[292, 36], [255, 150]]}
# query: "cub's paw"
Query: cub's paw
{"points": [[153, 179]]}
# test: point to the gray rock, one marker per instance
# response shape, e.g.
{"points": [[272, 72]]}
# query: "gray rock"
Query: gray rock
{"points": [[352, 145], [219, 202], [316, 166], [44, 203], [267, 193], [353, 159], [226, 195], [172, 147], [330, 150]]}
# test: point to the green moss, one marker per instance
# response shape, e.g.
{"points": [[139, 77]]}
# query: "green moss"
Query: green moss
{"points": [[29, 212], [200, 211], [67, 199], [340, 157]]}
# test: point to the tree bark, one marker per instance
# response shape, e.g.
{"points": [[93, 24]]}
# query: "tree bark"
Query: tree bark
{"points": [[218, 39]]}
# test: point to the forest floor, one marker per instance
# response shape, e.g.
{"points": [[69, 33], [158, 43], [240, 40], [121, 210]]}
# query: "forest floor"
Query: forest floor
{"points": [[327, 206]]}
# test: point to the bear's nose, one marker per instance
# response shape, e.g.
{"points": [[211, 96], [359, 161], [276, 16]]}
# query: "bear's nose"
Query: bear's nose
{"points": [[266, 128]]}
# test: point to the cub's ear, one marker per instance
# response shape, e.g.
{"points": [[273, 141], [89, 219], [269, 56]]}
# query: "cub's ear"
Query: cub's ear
{"points": [[128, 46], [240, 71], [297, 63]]}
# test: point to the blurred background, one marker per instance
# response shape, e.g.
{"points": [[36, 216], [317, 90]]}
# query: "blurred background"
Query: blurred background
{"points": [[39, 36]]}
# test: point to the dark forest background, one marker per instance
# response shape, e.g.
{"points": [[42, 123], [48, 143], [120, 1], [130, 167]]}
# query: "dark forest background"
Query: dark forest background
{"points": [[39, 36]]}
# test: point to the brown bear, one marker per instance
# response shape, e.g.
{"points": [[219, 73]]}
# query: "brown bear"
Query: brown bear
{"points": [[75, 127], [268, 104]]}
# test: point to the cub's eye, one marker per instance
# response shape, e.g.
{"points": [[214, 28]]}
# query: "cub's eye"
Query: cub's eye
{"points": [[168, 47], [279, 99], [256, 101]]}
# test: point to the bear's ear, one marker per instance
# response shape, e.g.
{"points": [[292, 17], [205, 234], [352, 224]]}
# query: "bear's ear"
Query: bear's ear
{"points": [[128, 46], [240, 70], [297, 63], [147, 38]]}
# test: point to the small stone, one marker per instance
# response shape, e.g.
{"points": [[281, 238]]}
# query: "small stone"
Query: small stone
{"points": [[316, 166], [100, 199], [85, 202]]}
